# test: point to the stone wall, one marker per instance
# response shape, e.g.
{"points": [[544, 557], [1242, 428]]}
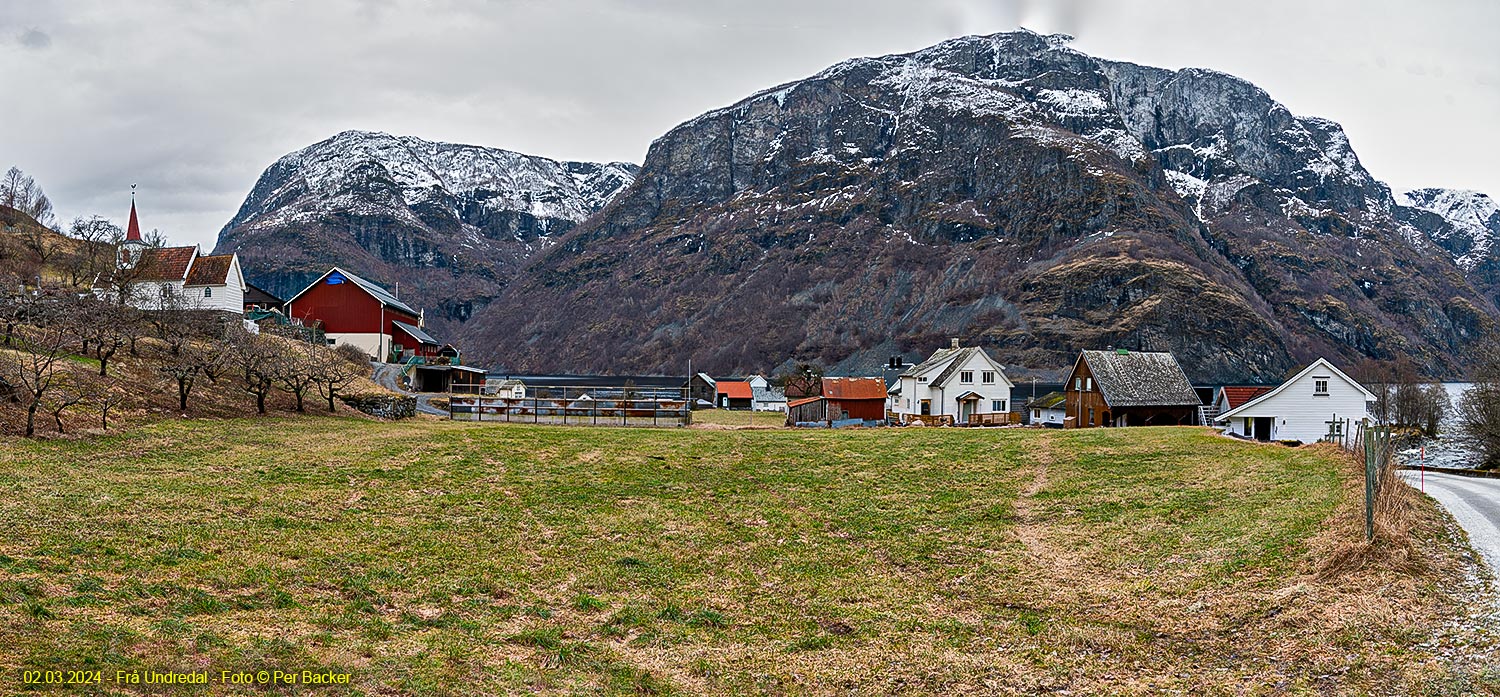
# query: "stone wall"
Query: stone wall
{"points": [[383, 406]]}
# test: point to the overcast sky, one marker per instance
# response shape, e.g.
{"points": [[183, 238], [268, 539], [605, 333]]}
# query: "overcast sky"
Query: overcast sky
{"points": [[192, 100]]}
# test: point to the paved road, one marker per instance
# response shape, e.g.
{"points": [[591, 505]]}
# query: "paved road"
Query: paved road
{"points": [[1474, 503], [389, 377]]}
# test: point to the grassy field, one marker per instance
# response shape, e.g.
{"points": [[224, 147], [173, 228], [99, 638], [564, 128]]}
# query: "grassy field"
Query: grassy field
{"points": [[726, 417], [439, 558]]}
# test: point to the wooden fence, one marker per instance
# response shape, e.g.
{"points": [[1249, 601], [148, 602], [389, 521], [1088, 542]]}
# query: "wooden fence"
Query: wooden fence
{"points": [[1377, 447]]}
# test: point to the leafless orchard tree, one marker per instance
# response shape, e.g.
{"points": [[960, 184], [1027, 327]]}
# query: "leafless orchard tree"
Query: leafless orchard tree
{"points": [[333, 373], [192, 360], [296, 370], [254, 359], [33, 369]]}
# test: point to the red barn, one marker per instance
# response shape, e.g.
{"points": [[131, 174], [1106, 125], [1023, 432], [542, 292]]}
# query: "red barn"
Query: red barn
{"points": [[357, 312], [842, 399]]}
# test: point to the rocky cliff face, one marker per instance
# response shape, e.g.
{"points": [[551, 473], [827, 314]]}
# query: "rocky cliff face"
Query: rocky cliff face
{"points": [[449, 223], [1007, 190]]}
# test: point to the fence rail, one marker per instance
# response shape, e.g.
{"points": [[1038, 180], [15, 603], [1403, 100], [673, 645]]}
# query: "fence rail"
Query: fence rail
{"points": [[616, 405]]}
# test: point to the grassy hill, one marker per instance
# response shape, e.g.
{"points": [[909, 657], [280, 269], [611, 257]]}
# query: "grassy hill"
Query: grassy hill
{"points": [[22, 240], [445, 558]]}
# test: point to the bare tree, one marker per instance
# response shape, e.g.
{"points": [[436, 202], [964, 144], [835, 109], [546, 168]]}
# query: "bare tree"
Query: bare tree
{"points": [[254, 358], [191, 361], [62, 399], [295, 370], [333, 373], [21, 192], [34, 370], [93, 257], [107, 400], [105, 329], [804, 380]]}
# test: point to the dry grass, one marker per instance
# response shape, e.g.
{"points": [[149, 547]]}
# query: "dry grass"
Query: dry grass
{"points": [[445, 558], [726, 418]]}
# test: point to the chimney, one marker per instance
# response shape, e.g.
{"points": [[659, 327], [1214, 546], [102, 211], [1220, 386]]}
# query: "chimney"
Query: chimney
{"points": [[955, 342]]}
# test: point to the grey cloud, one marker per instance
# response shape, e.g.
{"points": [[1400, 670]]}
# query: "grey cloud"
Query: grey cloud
{"points": [[193, 100], [34, 39]]}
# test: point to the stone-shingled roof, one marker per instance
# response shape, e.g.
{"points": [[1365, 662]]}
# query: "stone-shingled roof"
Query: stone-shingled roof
{"points": [[1140, 379]]}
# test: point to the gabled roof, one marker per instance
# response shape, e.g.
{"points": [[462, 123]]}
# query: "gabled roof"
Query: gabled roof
{"points": [[854, 388], [1320, 363], [255, 295], [210, 270], [950, 360], [1140, 379], [1237, 396], [165, 263], [417, 333], [379, 293], [1051, 400], [735, 389], [767, 394]]}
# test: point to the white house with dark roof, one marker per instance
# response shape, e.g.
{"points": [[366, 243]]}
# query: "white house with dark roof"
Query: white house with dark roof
{"points": [[956, 381], [1316, 401]]}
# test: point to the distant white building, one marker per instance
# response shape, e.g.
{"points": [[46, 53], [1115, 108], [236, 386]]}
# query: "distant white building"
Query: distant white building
{"points": [[955, 381], [1048, 410], [764, 396], [178, 277], [1306, 408], [509, 388]]}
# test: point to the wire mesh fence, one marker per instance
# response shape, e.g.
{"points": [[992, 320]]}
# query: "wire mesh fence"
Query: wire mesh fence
{"points": [[572, 405], [1376, 445]]}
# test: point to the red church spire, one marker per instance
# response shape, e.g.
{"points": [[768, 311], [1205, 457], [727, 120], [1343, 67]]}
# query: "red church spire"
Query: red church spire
{"points": [[133, 230]]}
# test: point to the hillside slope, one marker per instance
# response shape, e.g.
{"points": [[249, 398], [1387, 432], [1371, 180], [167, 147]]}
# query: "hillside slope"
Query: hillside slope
{"points": [[1004, 189]]}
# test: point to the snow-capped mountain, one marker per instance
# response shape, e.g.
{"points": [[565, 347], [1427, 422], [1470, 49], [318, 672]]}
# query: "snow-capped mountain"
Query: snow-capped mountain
{"points": [[394, 206], [1009, 190], [1473, 222]]}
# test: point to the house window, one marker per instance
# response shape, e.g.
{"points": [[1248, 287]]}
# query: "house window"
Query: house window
{"points": [[1088, 385], [966, 376], [988, 377], [208, 292], [1077, 384], [997, 405], [1320, 386], [1091, 416], [1036, 413], [921, 379]]}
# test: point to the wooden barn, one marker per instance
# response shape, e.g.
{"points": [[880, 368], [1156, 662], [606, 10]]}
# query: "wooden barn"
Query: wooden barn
{"points": [[1129, 388], [842, 399], [355, 311], [257, 298], [734, 394]]}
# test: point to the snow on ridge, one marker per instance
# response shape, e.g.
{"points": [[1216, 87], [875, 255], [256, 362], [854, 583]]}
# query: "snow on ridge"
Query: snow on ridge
{"points": [[424, 170], [1473, 215]]}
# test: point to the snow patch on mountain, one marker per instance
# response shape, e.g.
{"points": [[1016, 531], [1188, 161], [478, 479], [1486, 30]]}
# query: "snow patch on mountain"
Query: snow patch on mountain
{"points": [[1474, 218]]}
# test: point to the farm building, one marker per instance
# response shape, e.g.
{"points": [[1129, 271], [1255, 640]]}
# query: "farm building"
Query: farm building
{"points": [[1233, 396], [733, 394], [1047, 410], [842, 399], [764, 396], [509, 388], [1129, 388], [458, 379], [956, 383], [703, 391], [257, 298], [176, 276], [359, 313], [1316, 401]]}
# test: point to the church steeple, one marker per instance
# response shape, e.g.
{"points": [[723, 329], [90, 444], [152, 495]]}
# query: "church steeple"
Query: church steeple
{"points": [[133, 231]]}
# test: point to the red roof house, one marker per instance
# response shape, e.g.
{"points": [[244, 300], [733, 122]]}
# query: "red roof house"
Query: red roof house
{"points": [[734, 394]]}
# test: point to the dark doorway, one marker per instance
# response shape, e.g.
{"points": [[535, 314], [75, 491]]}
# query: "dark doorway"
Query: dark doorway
{"points": [[1263, 427]]}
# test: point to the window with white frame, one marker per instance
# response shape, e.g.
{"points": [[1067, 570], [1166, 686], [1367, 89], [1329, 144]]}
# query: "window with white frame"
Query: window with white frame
{"points": [[997, 405], [1320, 386], [987, 377], [208, 292], [1088, 385], [966, 376]]}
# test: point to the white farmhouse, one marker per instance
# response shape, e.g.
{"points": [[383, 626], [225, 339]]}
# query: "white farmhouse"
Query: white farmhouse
{"points": [[764, 396], [178, 277], [1305, 408], [957, 382]]}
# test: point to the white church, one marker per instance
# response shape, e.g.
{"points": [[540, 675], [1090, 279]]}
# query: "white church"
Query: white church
{"points": [[183, 276]]}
